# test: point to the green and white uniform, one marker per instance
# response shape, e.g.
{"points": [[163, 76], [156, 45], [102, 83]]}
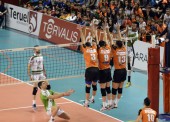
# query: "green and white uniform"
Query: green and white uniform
{"points": [[37, 67], [48, 103]]}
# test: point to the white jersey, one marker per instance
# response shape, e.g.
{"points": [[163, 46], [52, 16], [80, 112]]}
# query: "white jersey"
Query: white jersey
{"points": [[36, 63]]}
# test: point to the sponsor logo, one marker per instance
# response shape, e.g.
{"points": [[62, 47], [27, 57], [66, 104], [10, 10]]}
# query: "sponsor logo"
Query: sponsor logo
{"points": [[141, 57], [52, 29], [32, 21], [19, 16], [24, 18]]}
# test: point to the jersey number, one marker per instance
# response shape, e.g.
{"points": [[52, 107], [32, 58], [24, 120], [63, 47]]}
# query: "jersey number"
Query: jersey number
{"points": [[93, 57], [106, 57], [122, 59], [150, 117]]}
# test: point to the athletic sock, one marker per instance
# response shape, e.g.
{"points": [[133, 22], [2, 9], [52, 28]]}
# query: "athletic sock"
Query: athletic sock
{"points": [[104, 104], [33, 102], [87, 102], [109, 102], [92, 97]]}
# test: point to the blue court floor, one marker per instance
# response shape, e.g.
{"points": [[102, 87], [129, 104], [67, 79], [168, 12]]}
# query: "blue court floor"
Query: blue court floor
{"points": [[132, 98]]}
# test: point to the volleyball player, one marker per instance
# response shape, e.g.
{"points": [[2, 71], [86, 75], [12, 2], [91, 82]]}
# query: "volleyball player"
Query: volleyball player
{"points": [[147, 114], [36, 71], [47, 98], [119, 76], [92, 72], [104, 57]]}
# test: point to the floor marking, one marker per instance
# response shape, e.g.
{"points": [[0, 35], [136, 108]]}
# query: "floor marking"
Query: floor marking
{"points": [[17, 108], [96, 111], [71, 101]]}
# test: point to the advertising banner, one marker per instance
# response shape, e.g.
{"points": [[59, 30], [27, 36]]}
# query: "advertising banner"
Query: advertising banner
{"points": [[58, 31], [23, 19]]}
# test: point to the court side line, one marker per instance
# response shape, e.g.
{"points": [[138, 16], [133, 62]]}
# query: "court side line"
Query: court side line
{"points": [[77, 103], [93, 110], [30, 82], [12, 78], [8, 109]]}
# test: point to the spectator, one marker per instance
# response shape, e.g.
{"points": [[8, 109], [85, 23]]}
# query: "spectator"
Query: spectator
{"points": [[3, 11], [72, 17]]}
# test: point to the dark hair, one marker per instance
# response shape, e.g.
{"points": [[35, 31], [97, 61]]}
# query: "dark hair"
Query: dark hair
{"points": [[88, 44], [119, 43], [102, 43], [147, 101], [40, 84]]}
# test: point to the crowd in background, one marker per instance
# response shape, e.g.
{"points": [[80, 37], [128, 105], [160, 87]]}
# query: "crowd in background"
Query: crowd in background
{"points": [[150, 16]]}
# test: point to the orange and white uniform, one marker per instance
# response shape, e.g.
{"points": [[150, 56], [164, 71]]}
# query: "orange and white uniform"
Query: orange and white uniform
{"points": [[148, 115], [90, 56], [119, 58], [104, 56]]}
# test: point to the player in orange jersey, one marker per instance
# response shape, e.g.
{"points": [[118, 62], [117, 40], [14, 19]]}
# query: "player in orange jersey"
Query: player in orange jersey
{"points": [[104, 57], [92, 72], [119, 76], [147, 114]]}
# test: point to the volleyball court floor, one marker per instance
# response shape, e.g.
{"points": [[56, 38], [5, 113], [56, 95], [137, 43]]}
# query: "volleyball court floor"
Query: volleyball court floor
{"points": [[16, 100]]}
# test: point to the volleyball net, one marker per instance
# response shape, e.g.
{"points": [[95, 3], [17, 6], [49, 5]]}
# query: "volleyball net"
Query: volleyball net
{"points": [[60, 61]]}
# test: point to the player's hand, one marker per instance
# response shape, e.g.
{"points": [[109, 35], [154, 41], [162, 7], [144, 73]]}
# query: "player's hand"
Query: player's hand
{"points": [[80, 27], [166, 40], [69, 92]]}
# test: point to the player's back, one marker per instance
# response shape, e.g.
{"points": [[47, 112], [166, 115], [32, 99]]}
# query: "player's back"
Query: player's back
{"points": [[148, 115], [90, 56], [104, 54], [119, 58]]}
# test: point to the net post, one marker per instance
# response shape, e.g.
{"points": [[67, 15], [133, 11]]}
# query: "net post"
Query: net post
{"points": [[153, 77], [166, 89]]}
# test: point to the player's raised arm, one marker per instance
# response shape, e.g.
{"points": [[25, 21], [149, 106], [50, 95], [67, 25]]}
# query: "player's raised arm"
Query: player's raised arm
{"points": [[82, 32], [105, 33], [119, 36]]}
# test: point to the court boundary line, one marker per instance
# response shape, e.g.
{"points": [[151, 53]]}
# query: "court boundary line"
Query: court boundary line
{"points": [[29, 82], [93, 109], [75, 102], [17, 108]]}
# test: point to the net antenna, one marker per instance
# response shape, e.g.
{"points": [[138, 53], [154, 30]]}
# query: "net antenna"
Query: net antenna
{"points": [[60, 62]]}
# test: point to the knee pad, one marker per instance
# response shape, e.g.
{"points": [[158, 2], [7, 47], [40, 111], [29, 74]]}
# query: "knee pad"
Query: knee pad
{"points": [[87, 89], [103, 91], [48, 87], [114, 91], [94, 87], [108, 90], [120, 90], [34, 92]]}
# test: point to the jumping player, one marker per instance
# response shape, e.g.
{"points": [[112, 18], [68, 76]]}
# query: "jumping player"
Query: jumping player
{"points": [[104, 57], [91, 61], [119, 76]]}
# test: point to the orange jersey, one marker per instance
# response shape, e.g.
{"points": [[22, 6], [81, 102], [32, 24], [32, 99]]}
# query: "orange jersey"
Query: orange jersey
{"points": [[104, 56], [90, 56], [148, 115], [119, 58]]}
